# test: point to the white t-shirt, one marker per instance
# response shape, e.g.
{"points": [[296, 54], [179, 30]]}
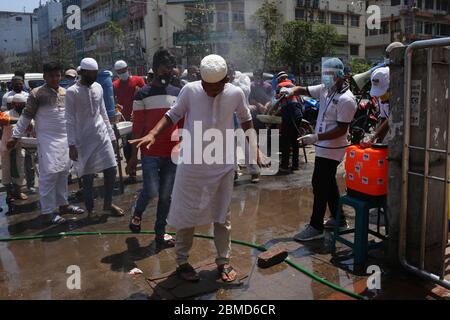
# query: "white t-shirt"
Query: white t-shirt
{"points": [[334, 107]]}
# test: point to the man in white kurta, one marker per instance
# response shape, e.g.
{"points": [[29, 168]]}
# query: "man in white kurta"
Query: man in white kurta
{"points": [[90, 135], [202, 191], [46, 106]]}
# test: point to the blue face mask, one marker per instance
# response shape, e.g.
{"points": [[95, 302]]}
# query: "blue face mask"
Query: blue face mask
{"points": [[328, 81], [387, 61]]}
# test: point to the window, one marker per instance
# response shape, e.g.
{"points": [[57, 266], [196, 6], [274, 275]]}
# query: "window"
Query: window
{"points": [[299, 14], [384, 27], [160, 21], [419, 27], [354, 49], [238, 16], [18, 18], [395, 2], [337, 19], [429, 4], [222, 16], [355, 21], [321, 17], [442, 5], [428, 28]]}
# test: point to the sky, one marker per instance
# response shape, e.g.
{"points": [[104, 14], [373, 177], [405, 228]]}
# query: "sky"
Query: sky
{"points": [[17, 5]]}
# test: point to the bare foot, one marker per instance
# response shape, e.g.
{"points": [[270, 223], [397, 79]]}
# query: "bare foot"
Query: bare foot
{"points": [[116, 210]]}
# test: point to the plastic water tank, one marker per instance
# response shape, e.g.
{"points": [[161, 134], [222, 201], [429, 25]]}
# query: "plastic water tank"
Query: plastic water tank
{"points": [[104, 78]]}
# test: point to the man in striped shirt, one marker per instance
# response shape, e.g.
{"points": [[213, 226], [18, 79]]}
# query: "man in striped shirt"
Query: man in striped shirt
{"points": [[150, 105]]}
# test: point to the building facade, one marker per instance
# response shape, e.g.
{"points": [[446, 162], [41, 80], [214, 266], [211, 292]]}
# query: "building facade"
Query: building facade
{"points": [[49, 17], [19, 34], [407, 21]]}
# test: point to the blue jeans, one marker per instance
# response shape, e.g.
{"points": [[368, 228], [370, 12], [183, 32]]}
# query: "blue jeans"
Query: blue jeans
{"points": [[159, 176]]}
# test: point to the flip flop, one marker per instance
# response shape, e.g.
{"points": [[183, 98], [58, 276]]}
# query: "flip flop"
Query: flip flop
{"points": [[135, 227], [225, 271], [72, 210]]}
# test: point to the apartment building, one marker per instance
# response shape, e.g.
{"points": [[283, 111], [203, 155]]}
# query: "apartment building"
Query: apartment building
{"points": [[407, 21], [50, 16]]}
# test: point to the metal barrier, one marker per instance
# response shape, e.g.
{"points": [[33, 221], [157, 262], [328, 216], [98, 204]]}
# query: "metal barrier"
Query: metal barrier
{"points": [[406, 172]]}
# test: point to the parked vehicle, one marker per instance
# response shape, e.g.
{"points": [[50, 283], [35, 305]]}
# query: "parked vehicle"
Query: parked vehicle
{"points": [[32, 80]]}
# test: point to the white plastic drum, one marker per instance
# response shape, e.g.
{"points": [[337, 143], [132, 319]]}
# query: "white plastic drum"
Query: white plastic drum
{"points": [[125, 128], [28, 143]]}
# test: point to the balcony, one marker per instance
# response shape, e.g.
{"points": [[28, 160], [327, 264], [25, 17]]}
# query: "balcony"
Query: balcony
{"points": [[96, 22], [187, 38], [88, 3]]}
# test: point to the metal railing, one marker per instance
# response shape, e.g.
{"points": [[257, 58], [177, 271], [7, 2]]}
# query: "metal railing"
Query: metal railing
{"points": [[406, 172]]}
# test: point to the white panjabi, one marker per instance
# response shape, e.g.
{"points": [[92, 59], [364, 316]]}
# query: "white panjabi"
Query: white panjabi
{"points": [[89, 64], [213, 68]]}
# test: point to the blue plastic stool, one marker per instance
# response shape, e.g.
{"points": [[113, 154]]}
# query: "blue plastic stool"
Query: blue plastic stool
{"points": [[360, 245]]}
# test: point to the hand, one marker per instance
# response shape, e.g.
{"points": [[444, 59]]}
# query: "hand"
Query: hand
{"points": [[11, 144], [309, 139], [262, 160], [146, 141], [287, 92], [367, 142], [131, 165], [73, 153]]}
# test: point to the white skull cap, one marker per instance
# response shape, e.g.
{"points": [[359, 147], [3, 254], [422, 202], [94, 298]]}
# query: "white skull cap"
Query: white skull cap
{"points": [[89, 64], [19, 98], [119, 65], [213, 68]]}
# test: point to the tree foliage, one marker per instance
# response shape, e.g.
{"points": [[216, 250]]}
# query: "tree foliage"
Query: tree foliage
{"points": [[301, 42]]}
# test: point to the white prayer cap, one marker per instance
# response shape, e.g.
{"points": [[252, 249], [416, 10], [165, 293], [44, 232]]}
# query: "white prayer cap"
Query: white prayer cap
{"points": [[19, 98], [9, 99], [119, 65], [71, 73], [213, 68], [89, 64]]}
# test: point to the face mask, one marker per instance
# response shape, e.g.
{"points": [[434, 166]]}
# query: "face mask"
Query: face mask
{"points": [[88, 80], [124, 76], [164, 79], [387, 61], [328, 81]]}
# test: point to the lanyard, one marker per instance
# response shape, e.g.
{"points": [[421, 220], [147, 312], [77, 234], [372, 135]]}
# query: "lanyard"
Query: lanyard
{"points": [[327, 105]]}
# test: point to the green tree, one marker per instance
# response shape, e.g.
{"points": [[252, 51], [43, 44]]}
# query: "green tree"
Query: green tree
{"points": [[359, 66], [302, 42], [268, 19], [197, 22]]}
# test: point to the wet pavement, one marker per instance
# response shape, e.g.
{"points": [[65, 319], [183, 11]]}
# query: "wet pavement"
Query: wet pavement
{"points": [[268, 213]]}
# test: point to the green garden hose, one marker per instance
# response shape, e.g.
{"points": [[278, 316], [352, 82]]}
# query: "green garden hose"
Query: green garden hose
{"points": [[202, 236]]}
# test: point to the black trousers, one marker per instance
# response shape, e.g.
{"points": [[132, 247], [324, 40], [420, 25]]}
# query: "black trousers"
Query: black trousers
{"points": [[325, 189], [288, 141]]}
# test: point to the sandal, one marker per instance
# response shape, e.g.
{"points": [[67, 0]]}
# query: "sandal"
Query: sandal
{"points": [[135, 224], [166, 241], [187, 273], [71, 210], [227, 273]]}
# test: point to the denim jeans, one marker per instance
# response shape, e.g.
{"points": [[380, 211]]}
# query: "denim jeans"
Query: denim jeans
{"points": [[159, 175], [109, 177]]}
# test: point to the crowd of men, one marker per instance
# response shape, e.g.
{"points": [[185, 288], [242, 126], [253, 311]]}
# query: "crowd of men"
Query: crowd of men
{"points": [[68, 117]]}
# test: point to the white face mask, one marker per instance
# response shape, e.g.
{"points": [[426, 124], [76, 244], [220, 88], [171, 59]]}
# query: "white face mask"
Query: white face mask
{"points": [[124, 76]]}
